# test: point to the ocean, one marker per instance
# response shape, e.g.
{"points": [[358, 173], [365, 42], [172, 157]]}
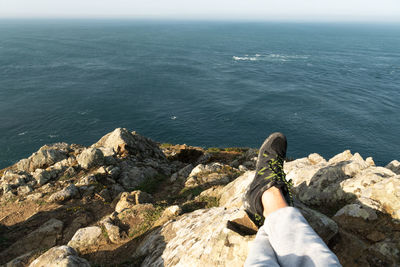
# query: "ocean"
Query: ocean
{"points": [[327, 86]]}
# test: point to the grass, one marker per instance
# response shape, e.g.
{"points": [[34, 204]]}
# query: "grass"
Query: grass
{"points": [[150, 217], [75, 209], [165, 145], [40, 202], [194, 191], [214, 150], [152, 184], [201, 202], [236, 149], [104, 232]]}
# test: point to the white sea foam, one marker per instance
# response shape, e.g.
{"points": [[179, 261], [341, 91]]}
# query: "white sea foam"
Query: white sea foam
{"points": [[23, 133], [53, 135], [244, 58], [173, 117], [270, 57]]}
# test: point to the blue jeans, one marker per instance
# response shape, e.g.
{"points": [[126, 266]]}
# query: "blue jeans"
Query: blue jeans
{"points": [[286, 239]]}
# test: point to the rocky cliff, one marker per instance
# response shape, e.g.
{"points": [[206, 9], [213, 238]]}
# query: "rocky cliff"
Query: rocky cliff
{"points": [[129, 201]]}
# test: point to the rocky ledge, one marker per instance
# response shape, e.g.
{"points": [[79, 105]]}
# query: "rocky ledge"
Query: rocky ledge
{"points": [[129, 201]]}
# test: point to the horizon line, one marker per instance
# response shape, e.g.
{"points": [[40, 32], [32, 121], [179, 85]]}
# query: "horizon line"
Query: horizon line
{"points": [[207, 19]]}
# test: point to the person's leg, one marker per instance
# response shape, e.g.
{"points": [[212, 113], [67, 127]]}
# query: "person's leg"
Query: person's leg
{"points": [[267, 197], [294, 241], [260, 251]]}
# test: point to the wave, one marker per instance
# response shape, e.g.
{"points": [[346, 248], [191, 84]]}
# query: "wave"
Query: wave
{"points": [[269, 57], [23, 133]]}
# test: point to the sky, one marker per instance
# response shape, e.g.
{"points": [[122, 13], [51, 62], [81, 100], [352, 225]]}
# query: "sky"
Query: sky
{"points": [[320, 10]]}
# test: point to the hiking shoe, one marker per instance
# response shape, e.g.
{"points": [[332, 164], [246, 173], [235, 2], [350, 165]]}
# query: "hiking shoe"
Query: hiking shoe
{"points": [[269, 173]]}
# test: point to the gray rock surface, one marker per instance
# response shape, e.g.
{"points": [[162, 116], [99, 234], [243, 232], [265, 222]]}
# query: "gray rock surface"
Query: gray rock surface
{"points": [[90, 157], [199, 238], [121, 140], [44, 157], [44, 237], [62, 256], [65, 194], [86, 238]]}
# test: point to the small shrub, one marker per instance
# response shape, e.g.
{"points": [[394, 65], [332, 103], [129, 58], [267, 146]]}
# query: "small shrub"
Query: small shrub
{"points": [[194, 191], [214, 150], [235, 149], [151, 185], [165, 145]]}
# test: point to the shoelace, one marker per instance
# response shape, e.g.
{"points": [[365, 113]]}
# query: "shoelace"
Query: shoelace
{"points": [[276, 166]]}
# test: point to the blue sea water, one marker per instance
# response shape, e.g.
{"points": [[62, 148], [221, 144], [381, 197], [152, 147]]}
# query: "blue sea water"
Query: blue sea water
{"points": [[328, 87]]}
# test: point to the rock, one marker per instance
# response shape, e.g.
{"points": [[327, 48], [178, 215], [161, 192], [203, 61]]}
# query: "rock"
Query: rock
{"points": [[70, 172], [242, 224], [87, 180], [171, 211], [182, 173], [325, 227], [20, 261], [350, 249], [90, 157], [65, 194], [199, 238], [41, 176], [388, 251], [344, 156], [168, 214], [243, 168], [44, 237], [376, 236], [316, 159], [357, 211], [356, 165], [365, 179], [232, 194], [114, 171], [87, 238], [104, 195], [23, 190], [81, 220], [44, 157], [62, 256], [122, 141], [35, 196], [114, 233], [356, 218], [370, 161], [116, 189], [128, 200], [132, 176], [387, 194], [211, 174], [394, 166]]}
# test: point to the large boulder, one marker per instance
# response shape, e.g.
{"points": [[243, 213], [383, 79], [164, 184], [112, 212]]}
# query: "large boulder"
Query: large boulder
{"points": [[44, 157], [90, 157], [62, 256], [122, 141], [394, 166], [211, 174], [87, 238], [132, 176], [199, 238]]}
